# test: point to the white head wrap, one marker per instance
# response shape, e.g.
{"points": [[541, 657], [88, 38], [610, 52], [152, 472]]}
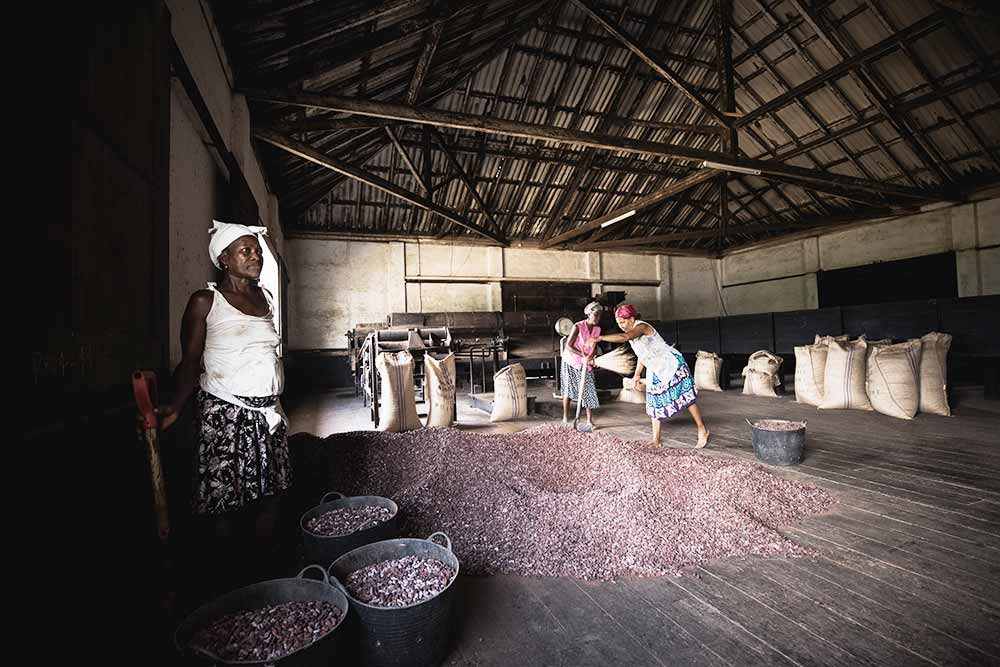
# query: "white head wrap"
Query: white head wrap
{"points": [[591, 307], [224, 233]]}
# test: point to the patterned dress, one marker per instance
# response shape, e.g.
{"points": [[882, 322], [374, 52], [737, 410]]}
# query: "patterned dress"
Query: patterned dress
{"points": [[673, 389], [572, 368], [242, 451]]}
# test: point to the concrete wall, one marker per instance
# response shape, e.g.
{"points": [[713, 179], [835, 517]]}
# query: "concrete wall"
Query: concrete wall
{"points": [[783, 277], [341, 283], [197, 177]]}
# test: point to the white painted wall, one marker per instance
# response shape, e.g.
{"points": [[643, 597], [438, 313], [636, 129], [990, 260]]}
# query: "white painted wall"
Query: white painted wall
{"points": [[197, 177]]}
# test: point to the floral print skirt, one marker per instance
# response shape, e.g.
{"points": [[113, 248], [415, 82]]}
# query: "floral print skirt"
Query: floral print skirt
{"points": [[239, 460], [665, 399]]}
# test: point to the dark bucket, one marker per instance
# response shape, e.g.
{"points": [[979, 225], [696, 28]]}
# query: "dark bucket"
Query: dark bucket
{"points": [[324, 549], [778, 448], [416, 635], [322, 651]]}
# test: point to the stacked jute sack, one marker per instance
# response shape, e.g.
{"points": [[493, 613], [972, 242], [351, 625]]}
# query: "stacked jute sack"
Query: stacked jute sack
{"points": [[896, 380], [398, 406], [760, 375]]}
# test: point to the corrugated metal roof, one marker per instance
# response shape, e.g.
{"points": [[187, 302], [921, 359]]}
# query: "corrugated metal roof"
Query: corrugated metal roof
{"points": [[923, 113]]}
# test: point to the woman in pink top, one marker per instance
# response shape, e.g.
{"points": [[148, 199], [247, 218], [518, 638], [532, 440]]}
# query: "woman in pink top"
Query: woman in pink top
{"points": [[579, 350]]}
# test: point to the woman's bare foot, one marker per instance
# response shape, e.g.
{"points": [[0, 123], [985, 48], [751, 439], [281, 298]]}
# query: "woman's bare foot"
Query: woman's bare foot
{"points": [[703, 434], [653, 444]]}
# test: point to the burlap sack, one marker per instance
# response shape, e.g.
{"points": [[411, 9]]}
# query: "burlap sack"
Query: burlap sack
{"points": [[872, 344], [510, 394], [765, 362], [844, 376], [706, 371], [758, 383], [810, 367], [893, 383], [934, 374], [397, 405], [440, 390], [825, 340], [629, 394]]}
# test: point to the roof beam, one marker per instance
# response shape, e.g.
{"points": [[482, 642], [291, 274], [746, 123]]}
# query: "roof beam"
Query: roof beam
{"points": [[476, 123], [307, 152], [424, 185], [464, 177], [909, 34], [676, 187], [424, 62], [647, 57]]}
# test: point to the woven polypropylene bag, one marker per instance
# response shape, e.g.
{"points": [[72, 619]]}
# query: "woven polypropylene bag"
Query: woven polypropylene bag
{"points": [[397, 405], [510, 394], [440, 378], [844, 376], [810, 367], [934, 374], [706, 371], [893, 383]]}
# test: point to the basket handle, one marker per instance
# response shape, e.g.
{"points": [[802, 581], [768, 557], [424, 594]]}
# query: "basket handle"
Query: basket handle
{"points": [[430, 538], [333, 581], [336, 495], [325, 579], [749, 422]]}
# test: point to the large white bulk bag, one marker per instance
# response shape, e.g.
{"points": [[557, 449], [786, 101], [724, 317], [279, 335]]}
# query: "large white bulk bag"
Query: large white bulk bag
{"points": [[844, 376], [510, 394], [440, 390], [893, 383], [934, 374], [810, 368], [397, 405], [706, 371]]}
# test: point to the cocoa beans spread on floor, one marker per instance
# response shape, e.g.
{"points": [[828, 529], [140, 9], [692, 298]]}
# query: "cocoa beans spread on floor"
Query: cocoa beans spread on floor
{"points": [[768, 425], [268, 633], [550, 501], [347, 520], [400, 582]]}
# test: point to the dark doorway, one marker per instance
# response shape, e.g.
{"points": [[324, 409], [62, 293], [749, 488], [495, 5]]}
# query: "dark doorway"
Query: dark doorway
{"points": [[928, 277]]}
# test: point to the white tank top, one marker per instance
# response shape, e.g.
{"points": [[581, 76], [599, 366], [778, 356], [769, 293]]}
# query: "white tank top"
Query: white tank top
{"points": [[655, 353], [240, 357]]}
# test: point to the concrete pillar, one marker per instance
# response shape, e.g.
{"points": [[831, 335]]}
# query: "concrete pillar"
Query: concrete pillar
{"points": [[969, 275], [494, 262], [494, 295]]}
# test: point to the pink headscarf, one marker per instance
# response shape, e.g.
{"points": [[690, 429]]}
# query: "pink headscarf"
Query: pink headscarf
{"points": [[626, 312]]}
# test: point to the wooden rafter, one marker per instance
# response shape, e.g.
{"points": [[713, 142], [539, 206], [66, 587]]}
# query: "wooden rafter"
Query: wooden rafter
{"points": [[915, 31], [307, 152], [683, 184], [464, 177], [532, 131], [424, 185], [659, 67]]}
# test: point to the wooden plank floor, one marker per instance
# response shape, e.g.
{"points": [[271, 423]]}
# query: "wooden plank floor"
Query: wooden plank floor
{"points": [[908, 571]]}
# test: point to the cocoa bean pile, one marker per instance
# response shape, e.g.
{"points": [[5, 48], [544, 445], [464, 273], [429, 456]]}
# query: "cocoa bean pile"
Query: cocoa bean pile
{"points": [[400, 582], [550, 501], [268, 633], [347, 520], [767, 425]]}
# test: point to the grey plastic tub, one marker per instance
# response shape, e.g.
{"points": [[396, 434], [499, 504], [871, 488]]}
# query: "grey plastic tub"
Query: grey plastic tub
{"points": [[778, 448], [416, 635], [322, 651], [326, 549]]}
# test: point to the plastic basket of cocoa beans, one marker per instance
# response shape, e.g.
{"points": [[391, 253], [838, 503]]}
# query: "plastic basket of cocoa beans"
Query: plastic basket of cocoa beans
{"points": [[291, 621], [778, 442], [341, 523], [401, 597]]}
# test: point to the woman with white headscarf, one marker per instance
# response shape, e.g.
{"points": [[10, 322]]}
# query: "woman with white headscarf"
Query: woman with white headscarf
{"points": [[229, 355], [579, 352]]}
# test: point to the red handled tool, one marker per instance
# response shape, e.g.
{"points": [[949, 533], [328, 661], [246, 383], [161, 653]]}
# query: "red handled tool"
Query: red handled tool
{"points": [[144, 390]]}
